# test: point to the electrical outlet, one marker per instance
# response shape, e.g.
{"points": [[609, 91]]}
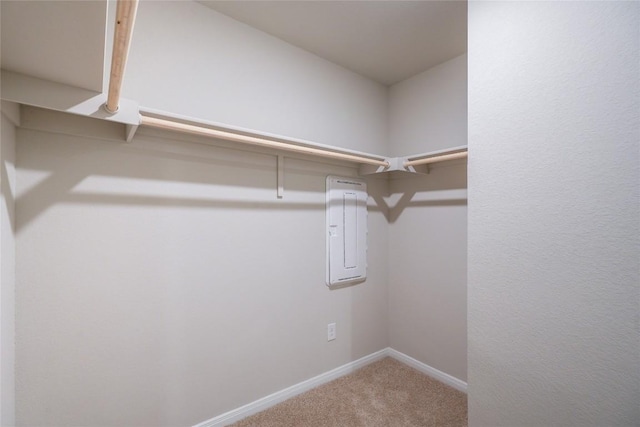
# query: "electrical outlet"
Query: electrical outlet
{"points": [[331, 331]]}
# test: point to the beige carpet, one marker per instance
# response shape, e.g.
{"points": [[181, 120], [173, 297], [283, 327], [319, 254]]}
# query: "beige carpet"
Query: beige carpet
{"points": [[384, 393]]}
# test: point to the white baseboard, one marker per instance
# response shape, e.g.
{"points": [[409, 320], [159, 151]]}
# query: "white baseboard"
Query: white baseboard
{"points": [[289, 392], [429, 370], [282, 395]]}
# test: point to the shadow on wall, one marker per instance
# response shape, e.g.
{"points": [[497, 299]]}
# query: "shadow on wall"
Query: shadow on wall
{"points": [[445, 185], [157, 171], [7, 192], [161, 169]]}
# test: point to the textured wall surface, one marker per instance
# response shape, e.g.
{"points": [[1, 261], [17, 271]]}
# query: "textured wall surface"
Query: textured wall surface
{"points": [[554, 284], [428, 221], [162, 282]]}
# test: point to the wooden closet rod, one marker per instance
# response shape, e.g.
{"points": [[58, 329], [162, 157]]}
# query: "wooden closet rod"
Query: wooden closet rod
{"points": [[125, 18], [435, 159], [254, 140]]}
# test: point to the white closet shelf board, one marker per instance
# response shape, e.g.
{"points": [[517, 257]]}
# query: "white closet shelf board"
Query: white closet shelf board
{"points": [[369, 163], [171, 122], [27, 90], [419, 163]]}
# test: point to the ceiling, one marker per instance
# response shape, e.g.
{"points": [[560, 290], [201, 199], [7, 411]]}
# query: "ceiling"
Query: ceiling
{"points": [[387, 41]]}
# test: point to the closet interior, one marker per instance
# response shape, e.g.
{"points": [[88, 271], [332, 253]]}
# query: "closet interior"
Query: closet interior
{"points": [[165, 175]]}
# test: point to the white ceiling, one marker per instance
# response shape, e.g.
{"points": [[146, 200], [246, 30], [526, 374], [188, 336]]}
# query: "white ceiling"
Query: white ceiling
{"points": [[61, 41], [387, 41]]}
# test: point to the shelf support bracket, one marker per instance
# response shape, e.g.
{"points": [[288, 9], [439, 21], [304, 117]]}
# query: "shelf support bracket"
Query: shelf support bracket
{"points": [[280, 176], [419, 169], [130, 131]]}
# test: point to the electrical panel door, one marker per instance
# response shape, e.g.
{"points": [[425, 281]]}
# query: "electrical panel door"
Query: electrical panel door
{"points": [[346, 230]]}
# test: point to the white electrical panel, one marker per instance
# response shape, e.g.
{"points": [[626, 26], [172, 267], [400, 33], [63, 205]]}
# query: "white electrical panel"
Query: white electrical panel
{"points": [[346, 230]]}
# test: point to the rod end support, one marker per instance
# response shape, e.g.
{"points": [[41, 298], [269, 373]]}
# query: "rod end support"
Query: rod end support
{"points": [[108, 110]]}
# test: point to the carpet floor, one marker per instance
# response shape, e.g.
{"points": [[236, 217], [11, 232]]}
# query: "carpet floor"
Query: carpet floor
{"points": [[384, 393]]}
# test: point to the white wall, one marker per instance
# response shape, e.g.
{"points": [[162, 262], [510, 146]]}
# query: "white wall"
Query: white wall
{"points": [[428, 221], [429, 111], [554, 285], [188, 59], [164, 276], [169, 282], [10, 118]]}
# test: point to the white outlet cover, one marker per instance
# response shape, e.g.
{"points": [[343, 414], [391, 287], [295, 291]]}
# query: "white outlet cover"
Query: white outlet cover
{"points": [[331, 331]]}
